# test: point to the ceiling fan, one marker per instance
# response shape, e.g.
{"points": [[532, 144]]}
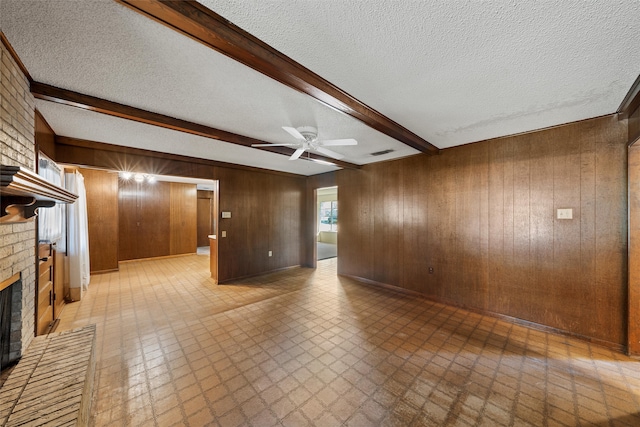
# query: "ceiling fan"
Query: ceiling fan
{"points": [[307, 139]]}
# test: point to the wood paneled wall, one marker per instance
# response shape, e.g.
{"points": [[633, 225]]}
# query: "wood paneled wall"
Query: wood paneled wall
{"points": [[634, 125], [156, 219], [483, 217], [45, 137], [183, 218], [267, 208], [102, 216], [266, 215], [144, 219], [634, 250], [633, 340]]}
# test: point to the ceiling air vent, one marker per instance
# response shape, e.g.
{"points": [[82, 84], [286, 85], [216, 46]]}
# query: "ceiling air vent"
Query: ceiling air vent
{"points": [[380, 153]]}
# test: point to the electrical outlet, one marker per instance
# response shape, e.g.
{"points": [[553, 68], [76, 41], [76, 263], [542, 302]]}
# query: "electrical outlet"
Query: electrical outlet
{"points": [[430, 270], [270, 253], [224, 234], [565, 213]]}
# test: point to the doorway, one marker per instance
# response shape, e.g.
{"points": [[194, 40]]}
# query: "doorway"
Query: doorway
{"points": [[206, 215], [327, 223]]}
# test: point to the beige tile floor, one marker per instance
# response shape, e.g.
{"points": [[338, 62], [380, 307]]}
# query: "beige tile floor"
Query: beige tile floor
{"points": [[304, 347]]}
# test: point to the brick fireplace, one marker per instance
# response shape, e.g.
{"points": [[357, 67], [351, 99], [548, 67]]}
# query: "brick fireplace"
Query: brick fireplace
{"points": [[18, 240], [10, 320]]}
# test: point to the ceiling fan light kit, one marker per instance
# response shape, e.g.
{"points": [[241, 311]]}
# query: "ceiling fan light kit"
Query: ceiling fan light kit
{"points": [[307, 137]]}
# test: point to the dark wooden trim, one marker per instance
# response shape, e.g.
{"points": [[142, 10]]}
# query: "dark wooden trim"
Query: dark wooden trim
{"points": [[91, 103], [23, 192], [15, 56], [83, 143], [207, 27], [18, 181], [10, 281], [631, 101], [537, 326]]}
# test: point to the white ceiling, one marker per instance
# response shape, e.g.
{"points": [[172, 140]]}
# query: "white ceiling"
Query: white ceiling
{"points": [[452, 72]]}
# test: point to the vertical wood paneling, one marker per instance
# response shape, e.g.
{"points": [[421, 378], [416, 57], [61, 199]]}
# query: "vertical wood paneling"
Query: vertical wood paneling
{"points": [[633, 339], [387, 228], [447, 269], [587, 219], [520, 266], [144, 216], [183, 212], [153, 238], [414, 214], [490, 230], [633, 336], [127, 247], [634, 126], [102, 218], [205, 223], [542, 218], [45, 137], [354, 217], [495, 190], [611, 228], [566, 235], [265, 216]]}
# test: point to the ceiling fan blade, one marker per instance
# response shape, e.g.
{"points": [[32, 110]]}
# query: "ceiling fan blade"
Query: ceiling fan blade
{"points": [[294, 132], [275, 145], [297, 154], [334, 142], [329, 153]]}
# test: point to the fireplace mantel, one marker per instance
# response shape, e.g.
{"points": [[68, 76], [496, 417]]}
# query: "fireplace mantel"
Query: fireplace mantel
{"points": [[22, 192]]}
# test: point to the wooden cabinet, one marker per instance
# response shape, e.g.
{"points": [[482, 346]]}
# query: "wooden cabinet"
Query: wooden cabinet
{"points": [[50, 287]]}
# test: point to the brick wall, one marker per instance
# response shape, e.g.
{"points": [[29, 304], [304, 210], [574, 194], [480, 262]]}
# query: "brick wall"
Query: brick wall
{"points": [[17, 137]]}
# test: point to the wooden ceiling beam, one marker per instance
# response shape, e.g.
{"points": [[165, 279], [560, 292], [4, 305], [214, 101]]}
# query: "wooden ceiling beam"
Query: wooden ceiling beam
{"points": [[207, 27], [88, 102]]}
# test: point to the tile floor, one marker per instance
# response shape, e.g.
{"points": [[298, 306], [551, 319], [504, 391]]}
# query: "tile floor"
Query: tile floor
{"points": [[304, 347]]}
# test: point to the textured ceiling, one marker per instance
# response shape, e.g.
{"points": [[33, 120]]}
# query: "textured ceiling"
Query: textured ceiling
{"points": [[451, 72], [456, 72]]}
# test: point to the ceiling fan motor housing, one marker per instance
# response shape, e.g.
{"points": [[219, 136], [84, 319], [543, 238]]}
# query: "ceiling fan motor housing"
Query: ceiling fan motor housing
{"points": [[310, 133]]}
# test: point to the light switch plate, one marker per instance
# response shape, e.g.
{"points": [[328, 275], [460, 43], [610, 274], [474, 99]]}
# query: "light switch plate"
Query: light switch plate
{"points": [[224, 233], [226, 214], [565, 213]]}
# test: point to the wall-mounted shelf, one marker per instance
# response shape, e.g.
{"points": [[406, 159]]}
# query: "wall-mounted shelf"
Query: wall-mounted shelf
{"points": [[22, 192]]}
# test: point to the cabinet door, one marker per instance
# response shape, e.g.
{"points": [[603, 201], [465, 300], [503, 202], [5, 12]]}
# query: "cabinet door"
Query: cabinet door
{"points": [[44, 303], [58, 283]]}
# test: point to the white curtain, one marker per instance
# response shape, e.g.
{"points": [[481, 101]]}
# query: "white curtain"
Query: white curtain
{"points": [[78, 234], [51, 224]]}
